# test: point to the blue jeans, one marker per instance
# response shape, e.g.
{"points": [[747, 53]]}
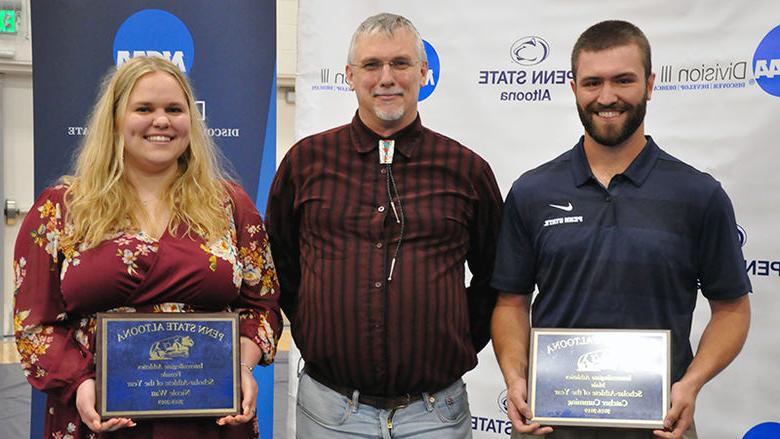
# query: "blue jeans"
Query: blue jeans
{"points": [[324, 413]]}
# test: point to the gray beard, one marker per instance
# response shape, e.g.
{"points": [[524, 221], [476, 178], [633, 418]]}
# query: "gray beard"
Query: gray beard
{"points": [[389, 116]]}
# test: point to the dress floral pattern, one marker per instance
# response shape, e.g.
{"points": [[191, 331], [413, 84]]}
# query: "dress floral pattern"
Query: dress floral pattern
{"points": [[59, 290]]}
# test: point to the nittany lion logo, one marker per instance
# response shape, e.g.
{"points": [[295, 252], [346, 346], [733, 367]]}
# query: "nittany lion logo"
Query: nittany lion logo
{"points": [[171, 347], [597, 361], [529, 51], [503, 402], [741, 235]]}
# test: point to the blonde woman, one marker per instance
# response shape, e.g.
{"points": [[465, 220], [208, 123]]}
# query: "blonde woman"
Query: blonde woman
{"points": [[148, 222]]}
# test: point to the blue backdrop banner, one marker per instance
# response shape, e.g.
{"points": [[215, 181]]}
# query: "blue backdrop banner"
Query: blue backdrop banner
{"points": [[228, 50]]}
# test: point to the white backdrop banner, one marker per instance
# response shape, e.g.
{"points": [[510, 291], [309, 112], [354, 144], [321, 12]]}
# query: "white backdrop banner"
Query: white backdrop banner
{"points": [[716, 105]]}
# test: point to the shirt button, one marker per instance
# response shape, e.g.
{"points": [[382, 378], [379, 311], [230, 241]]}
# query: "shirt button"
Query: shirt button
{"points": [[381, 208], [378, 284], [378, 245], [607, 198]]}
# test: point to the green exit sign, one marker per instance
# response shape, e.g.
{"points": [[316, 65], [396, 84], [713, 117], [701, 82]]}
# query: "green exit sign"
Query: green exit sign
{"points": [[7, 21]]}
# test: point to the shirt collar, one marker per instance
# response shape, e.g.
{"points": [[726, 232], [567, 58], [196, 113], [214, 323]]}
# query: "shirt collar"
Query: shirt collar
{"points": [[407, 140], [637, 171]]}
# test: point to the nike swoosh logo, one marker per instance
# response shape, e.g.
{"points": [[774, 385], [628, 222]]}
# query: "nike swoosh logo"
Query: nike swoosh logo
{"points": [[567, 208]]}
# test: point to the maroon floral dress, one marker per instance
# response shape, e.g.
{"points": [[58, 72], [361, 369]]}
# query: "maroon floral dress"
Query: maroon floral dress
{"points": [[58, 291]]}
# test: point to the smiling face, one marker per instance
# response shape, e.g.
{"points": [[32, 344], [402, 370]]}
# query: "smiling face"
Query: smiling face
{"points": [[612, 91], [387, 96], [155, 125]]}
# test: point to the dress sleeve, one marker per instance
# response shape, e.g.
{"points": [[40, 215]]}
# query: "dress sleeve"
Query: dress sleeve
{"points": [[258, 303], [54, 350], [481, 255]]}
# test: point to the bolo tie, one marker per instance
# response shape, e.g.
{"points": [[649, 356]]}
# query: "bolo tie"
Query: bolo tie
{"points": [[386, 152]]}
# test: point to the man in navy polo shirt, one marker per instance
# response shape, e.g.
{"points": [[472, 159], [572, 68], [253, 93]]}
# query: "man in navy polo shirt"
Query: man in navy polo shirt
{"points": [[616, 233]]}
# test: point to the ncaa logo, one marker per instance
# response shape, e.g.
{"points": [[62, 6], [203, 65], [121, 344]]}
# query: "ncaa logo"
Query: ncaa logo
{"points": [[741, 235], [503, 403], [154, 32], [433, 72], [529, 51], [766, 63]]}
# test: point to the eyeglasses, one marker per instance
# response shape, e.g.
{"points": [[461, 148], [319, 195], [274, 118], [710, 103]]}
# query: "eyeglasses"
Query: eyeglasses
{"points": [[397, 65]]}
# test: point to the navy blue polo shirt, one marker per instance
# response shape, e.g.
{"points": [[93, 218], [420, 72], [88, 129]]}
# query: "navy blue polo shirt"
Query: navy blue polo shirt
{"points": [[626, 256]]}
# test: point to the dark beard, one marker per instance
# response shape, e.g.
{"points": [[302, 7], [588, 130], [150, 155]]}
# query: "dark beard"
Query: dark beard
{"points": [[636, 114]]}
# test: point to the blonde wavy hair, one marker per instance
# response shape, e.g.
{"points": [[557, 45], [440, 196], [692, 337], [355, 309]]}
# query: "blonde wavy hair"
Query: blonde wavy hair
{"points": [[100, 201]]}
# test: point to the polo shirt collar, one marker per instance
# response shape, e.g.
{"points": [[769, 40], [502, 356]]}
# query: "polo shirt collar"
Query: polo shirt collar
{"points": [[365, 140], [579, 164], [637, 171], [640, 168]]}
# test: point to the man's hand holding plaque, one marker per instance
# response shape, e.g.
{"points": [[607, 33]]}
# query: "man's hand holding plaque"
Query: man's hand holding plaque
{"points": [[519, 412]]}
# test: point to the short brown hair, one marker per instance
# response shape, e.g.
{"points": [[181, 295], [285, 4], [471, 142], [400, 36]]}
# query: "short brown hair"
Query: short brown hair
{"points": [[609, 34]]}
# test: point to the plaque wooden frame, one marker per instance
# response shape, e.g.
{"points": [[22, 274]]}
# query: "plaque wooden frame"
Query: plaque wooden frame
{"points": [[618, 348], [191, 320]]}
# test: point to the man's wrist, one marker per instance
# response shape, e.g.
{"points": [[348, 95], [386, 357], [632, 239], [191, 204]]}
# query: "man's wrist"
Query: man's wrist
{"points": [[692, 382], [514, 376]]}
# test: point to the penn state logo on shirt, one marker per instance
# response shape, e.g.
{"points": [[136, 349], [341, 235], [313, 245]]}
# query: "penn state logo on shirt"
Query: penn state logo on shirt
{"points": [[557, 209], [154, 32]]}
